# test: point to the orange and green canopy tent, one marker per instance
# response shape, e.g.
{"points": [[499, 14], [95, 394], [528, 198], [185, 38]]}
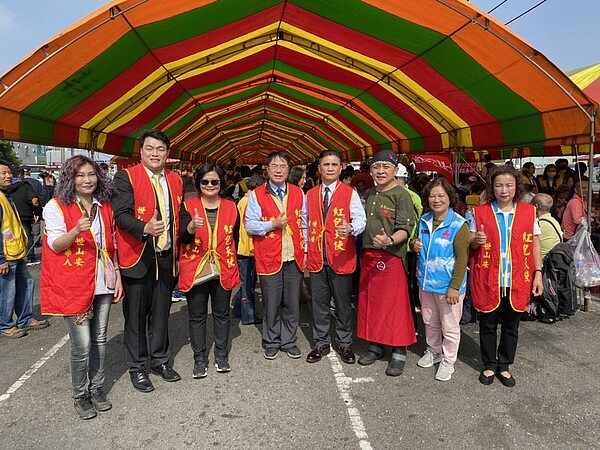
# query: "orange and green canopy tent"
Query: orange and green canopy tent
{"points": [[239, 79]]}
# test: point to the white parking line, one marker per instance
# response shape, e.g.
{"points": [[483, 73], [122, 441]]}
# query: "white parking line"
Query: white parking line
{"points": [[343, 386], [33, 369]]}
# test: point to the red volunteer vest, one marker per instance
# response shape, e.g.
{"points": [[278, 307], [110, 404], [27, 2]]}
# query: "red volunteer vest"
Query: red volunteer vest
{"points": [[268, 249], [144, 204], [341, 252], [68, 278], [486, 261], [220, 241]]}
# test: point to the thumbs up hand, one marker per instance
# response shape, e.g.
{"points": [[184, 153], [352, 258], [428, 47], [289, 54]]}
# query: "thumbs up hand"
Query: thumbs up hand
{"points": [[480, 236], [84, 223], [155, 227], [344, 228], [381, 240], [417, 245], [197, 222]]}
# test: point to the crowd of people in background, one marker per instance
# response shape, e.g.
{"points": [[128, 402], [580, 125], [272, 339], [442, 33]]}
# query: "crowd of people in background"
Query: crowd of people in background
{"points": [[211, 231]]}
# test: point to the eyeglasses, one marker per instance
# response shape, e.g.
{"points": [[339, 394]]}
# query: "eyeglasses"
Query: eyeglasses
{"points": [[278, 166], [212, 182]]}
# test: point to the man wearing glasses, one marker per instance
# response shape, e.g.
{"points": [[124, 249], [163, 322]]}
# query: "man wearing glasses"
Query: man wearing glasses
{"points": [[146, 210], [384, 313], [276, 217]]}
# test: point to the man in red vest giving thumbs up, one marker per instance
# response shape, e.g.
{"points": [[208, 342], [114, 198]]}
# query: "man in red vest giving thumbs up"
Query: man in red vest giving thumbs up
{"points": [[146, 211]]}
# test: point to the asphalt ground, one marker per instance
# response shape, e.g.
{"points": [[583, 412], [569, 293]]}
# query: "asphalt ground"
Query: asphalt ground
{"points": [[289, 404]]}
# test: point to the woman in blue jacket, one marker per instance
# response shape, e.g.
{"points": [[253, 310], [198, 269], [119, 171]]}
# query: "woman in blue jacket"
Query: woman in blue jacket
{"points": [[443, 247]]}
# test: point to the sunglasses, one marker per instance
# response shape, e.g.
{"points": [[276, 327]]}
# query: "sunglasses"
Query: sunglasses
{"points": [[212, 182]]}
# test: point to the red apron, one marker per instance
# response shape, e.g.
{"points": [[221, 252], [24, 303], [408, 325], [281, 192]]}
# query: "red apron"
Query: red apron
{"points": [[384, 314]]}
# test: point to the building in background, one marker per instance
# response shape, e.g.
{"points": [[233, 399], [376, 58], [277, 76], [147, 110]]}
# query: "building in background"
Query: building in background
{"points": [[46, 157]]}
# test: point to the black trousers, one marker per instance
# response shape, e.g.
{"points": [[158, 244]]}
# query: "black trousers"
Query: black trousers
{"points": [[281, 304], [413, 286], [197, 300], [501, 357], [146, 309], [323, 285]]}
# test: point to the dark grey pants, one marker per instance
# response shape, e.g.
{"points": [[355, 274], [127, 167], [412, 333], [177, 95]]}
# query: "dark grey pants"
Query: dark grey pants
{"points": [[281, 300], [323, 285]]}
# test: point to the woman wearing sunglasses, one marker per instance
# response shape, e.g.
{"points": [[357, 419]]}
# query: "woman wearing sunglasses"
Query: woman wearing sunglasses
{"points": [[208, 265]]}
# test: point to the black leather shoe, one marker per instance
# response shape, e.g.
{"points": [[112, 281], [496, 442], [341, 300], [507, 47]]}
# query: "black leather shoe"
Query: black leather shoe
{"points": [[316, 354], [347, 355], [166, 372], [140, 381]]}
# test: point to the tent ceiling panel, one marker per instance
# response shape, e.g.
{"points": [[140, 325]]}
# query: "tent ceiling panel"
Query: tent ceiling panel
{"points": [[237, 79]]}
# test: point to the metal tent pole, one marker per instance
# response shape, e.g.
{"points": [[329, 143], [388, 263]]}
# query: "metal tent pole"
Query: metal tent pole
{"points": [[591, 166], [587, 295]]}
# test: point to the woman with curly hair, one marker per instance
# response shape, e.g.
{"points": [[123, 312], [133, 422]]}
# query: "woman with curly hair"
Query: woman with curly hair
{"points": [[443, 253], [506, 268], [80, 274]]}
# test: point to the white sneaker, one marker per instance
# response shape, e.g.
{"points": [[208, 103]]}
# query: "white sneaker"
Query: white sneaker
{"points": [[429, 358], [445, 371]]}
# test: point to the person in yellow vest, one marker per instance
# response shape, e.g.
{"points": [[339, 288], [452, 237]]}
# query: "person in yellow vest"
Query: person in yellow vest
{"points": [[209, 229], [146, 209], [506, 268], [245, 301], [529, 178], [564, 174], [276, 218], [80, 274], [16, 284], [335, 217]]}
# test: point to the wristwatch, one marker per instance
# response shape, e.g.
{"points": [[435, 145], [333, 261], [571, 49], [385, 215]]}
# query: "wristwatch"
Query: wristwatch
{"points": [[391, 241], [351, 229]]}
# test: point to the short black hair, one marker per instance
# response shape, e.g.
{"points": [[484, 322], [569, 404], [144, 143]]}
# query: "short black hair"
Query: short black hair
{"points": [[210, 168], [528, 164], [326, 153], [282, 155], [156, 134]]}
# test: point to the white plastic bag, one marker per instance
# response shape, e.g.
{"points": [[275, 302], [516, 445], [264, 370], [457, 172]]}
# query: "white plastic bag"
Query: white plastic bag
{"points": [[585, 258]]}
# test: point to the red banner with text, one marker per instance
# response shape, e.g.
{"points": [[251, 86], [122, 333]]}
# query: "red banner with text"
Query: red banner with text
{"points": [[441, 164]]}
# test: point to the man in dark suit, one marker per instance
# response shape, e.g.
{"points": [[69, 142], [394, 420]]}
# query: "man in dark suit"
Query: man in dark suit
{"points": [[335, 216], [146, 210]]}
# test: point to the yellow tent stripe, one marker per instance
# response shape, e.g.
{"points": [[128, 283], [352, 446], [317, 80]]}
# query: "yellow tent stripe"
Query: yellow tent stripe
{"points": [[134, 101]]}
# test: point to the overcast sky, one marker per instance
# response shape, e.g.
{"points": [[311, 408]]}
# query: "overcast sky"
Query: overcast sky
{"points": [[565, 31]]}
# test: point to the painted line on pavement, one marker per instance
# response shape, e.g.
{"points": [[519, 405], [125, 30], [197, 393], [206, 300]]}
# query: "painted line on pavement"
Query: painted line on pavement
{"points": [[343, 385], [363, 380], [33, 369]]}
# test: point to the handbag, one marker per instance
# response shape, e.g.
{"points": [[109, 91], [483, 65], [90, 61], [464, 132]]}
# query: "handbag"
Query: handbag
{"points": [[585, 258], [209, 271]]}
